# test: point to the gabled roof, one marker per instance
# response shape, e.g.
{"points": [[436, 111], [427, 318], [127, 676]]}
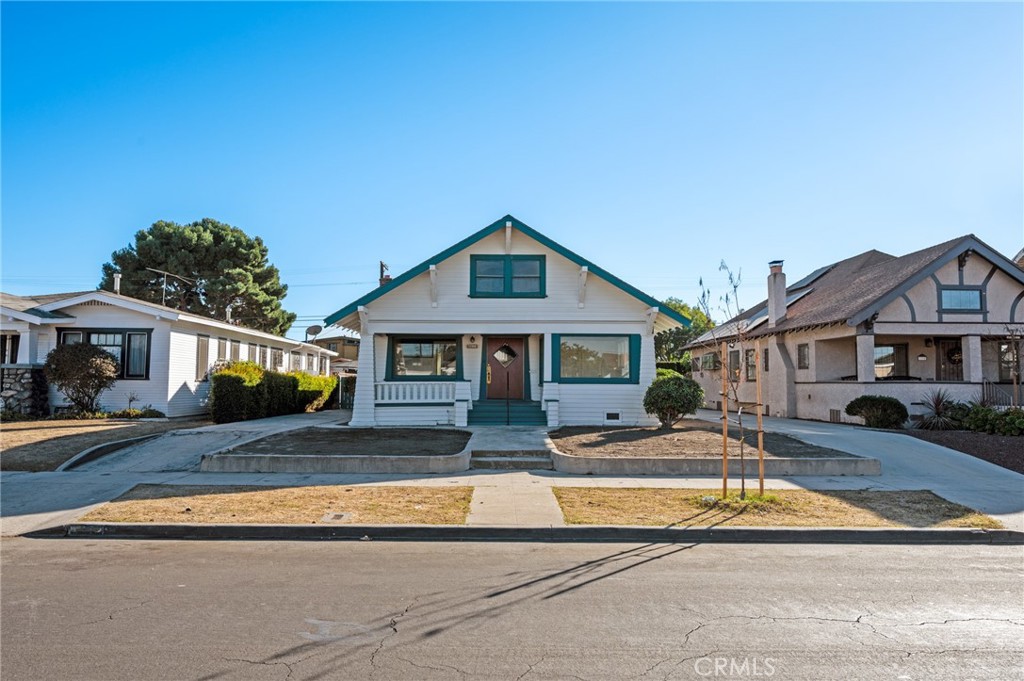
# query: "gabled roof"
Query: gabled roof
{"points": [[46, 308], [487, 231], [852, 290]]}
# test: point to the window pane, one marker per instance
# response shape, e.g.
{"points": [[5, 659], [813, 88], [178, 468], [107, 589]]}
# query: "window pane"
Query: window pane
{"points": [[525, 268], [960, 299], [72, 337], [111, 342], [137, 344], [425, 357], [490, 268], [751, 371], [594, 356], [526, 284], [890, 361], [490, 284]]}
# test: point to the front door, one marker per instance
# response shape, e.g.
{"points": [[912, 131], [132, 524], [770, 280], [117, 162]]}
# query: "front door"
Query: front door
{"points": [[950, 357], [506, 359]]}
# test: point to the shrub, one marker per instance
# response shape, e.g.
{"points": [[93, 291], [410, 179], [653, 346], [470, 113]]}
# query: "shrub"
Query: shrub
{"points": [[82, 372], [672, 398], [146, 413], [879, 411], [942, 412], [313, 392], [238, 392], [1010, 422], [981, 419], [683, 368], [282, 393], [666, 373]]}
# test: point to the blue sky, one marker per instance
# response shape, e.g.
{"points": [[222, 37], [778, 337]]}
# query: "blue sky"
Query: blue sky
{"points": [[653, 139]]}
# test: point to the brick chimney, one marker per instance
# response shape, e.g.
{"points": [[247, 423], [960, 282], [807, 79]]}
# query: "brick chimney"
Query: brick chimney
{"points": [[385, 280], [776, 293]]}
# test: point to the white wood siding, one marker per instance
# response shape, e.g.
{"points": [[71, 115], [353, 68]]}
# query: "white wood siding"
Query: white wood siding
{"points": [[102, 316], [186, 396]]}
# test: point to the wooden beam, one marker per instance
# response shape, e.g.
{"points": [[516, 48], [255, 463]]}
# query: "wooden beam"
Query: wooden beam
{"points": [[652, 314], [433, 286], [582, 286], [508, 237]]}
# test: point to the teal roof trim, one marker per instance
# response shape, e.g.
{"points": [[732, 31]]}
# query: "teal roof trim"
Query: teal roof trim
{"points": [[487, 231]]}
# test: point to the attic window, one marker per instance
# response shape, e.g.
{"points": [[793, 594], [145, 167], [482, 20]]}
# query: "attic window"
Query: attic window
{"points": [[961, 300], [506, 276]]}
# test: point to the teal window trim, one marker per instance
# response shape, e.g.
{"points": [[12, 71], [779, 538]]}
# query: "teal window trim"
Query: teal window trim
{"points": [[634, 359], [389, 371], [507, 270]]}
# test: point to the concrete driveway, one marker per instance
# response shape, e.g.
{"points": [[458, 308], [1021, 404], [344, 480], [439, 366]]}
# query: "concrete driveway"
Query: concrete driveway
{"points": [[909, 463]]}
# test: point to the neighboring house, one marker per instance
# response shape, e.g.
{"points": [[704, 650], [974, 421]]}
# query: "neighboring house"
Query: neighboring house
{"points": [[504, 326], [164, 354], [343, 341], [875, 324], [1019, 258]]}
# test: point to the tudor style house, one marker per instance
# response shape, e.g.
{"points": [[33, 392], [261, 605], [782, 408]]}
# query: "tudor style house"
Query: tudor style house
{"points": [[164, 355], [504, 327], [874, 324]]}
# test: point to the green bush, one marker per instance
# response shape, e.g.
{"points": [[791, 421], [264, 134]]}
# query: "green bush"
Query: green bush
{"points": [[282, 393], [313, 392], [245, 390], [981, 419], [672, 398], [1011, 422], [146, 413], [666, 373], [879, 411], [82, 372], [683, 368]]}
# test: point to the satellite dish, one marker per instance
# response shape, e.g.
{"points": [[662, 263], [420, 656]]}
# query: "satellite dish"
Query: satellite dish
{"points": [[314, 330]]}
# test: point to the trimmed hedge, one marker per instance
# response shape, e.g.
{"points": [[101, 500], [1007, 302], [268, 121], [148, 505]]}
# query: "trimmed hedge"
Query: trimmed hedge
{"points": [[313, 392], [245, 390], [683, 368], [879, 411], [983, 419], [666, 373]]}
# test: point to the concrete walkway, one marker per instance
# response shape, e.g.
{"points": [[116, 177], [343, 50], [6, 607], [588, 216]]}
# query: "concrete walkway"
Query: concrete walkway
{"points": [[181, 450]]}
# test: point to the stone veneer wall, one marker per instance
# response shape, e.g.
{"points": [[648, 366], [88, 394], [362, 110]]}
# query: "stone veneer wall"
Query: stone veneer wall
{"points": [[24, 390]]}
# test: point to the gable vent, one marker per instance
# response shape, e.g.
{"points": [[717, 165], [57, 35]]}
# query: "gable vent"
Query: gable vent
{"points": [[96, 303]]}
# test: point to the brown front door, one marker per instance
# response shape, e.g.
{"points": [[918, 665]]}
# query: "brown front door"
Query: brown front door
{"points": [[506, 358]]}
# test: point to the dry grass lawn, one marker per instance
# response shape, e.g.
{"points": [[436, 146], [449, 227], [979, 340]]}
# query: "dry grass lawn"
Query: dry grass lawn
{"points": [[362, 442], [791, 508], [287, 505], [44, 445]]}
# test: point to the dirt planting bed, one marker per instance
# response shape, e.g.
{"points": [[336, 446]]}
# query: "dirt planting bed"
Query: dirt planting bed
{"points": [[690, 438], [361, 441]]}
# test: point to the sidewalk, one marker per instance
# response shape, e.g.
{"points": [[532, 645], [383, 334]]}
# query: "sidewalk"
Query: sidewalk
{"points": [[522, 499]]}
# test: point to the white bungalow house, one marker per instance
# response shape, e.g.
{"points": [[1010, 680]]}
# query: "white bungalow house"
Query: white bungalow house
{"points": [[165, 355], [945, 317], [505, 326]]}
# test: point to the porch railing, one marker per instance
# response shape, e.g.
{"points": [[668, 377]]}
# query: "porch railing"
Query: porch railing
{"points": [[412, 392], [995, 395]]}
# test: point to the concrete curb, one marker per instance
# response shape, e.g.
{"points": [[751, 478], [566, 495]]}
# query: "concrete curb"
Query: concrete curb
{"points": [[773, 467], [99, 451], [592, 533]]}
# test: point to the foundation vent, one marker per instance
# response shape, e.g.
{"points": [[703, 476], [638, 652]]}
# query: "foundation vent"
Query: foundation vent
{"points": [[834, 416], [612, 417]]}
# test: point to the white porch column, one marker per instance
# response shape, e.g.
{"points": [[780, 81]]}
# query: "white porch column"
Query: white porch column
{"points": [[26, 348], [463, 396], [364, 398], [866, 358], [551, 398], [971, 347]]}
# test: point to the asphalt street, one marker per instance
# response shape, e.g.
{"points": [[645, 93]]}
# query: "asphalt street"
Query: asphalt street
{"points": [[105, 609]]}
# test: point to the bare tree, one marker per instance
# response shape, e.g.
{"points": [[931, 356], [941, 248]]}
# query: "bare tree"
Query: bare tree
{"points": [[731, 336]]}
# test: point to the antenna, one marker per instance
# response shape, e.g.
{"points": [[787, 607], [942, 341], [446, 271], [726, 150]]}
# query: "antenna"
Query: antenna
{"points": [[163, 299], [383, 269]]}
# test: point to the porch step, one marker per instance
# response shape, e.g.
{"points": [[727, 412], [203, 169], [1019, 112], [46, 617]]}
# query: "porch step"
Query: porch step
{"points": [[519, 413], [511, 462]]}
